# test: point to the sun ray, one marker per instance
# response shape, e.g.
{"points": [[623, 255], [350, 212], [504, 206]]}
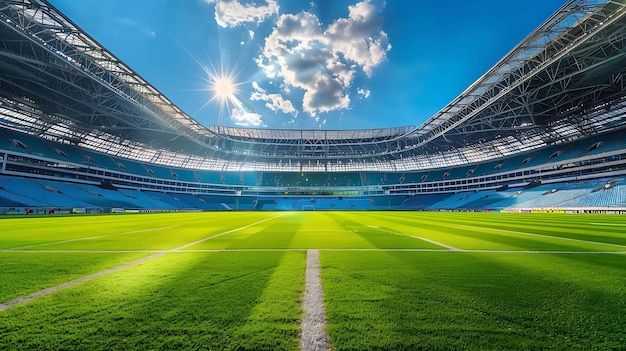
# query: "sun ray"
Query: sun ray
{"points": [[222, 85]]}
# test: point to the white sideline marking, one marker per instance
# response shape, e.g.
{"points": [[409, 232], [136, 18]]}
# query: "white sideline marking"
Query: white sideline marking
{"points": [[94, 237], [314, 336], [53, 289], [544, 236]]}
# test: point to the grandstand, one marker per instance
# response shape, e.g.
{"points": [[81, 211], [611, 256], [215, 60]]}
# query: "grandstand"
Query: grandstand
{"points": [[545, 128]]}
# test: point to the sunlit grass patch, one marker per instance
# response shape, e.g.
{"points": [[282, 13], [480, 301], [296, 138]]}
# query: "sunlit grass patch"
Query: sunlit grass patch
{"points": [[179, 301], [22, 273], [400, 300], [392, 280]]}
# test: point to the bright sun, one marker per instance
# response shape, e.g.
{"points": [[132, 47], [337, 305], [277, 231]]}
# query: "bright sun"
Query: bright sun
{"points": [[223, 88]]}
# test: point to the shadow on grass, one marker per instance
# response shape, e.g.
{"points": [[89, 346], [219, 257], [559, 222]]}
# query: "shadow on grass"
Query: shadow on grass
{"points": [[180, 301], [400, 300]]}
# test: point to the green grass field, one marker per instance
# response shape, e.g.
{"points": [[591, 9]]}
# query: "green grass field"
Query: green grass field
{"points": [[392, 281]]}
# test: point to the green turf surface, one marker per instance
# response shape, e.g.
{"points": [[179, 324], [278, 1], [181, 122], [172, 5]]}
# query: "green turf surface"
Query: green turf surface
{"points": [[392, 280], [407, 301], [180, 301], [24, 273]]}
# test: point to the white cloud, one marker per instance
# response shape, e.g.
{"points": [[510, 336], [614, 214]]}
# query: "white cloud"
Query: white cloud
{"points": [[359, 37], [232, 13], [274, 102], [321, 62], [257, 88], [246, 119], [365, 93]]}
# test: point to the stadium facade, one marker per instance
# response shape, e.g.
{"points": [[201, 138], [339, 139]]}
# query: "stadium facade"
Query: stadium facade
{"points": [[545, 128]]}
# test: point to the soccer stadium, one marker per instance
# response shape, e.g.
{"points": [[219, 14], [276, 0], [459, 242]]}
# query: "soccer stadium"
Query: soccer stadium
{"points": [[495, 224]]}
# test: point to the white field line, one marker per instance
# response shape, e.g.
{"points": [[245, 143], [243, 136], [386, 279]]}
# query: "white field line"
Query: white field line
{"points": [[312, 231], [449, 247], [224, 233], [53, 289], [544, 236], [320, 249], [93, 237], [314, 336], [452, 248], [82, 251], [548, 252]]}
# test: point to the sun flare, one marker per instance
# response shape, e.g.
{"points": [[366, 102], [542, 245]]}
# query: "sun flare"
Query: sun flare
{"points": [[223, 87]]}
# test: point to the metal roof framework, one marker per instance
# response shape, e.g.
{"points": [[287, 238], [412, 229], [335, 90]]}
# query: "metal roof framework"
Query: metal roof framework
{"points": [[563, 82], [573, 61]]}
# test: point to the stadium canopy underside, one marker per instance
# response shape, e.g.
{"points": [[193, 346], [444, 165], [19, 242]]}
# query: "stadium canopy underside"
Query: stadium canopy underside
{"points": [[564, 82]]}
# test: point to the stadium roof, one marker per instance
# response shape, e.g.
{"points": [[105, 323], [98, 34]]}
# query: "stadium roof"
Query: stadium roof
{"points": [[564, 81]]}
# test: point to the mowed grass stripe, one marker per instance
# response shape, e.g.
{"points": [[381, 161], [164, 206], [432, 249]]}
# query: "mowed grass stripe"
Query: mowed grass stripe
{"points": [[391, 290], [31, 253], [471, 237], [43, 232], [181, 301], [24, 273], [54, 289], [583, 227], [422, 226], [594, 243], [377, 234], [566, 233], [92, 237], [273, 322], [330, 230], [26, 231], [453, 300], [263, 234]]}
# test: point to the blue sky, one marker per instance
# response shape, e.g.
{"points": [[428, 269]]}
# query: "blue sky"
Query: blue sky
{"points": [[328, 64]]}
